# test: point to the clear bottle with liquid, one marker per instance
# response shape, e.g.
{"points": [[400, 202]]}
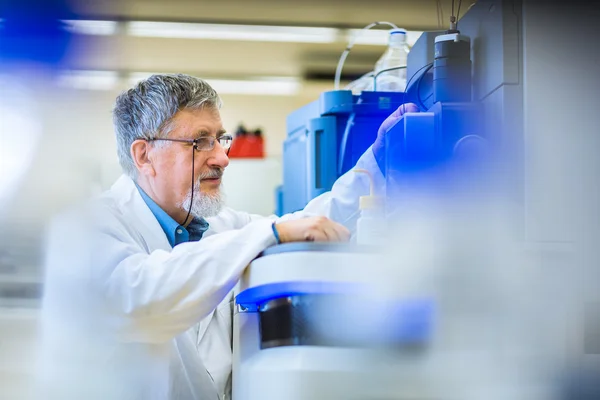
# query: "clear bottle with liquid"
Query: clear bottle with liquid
{"points": [[394, 56]]}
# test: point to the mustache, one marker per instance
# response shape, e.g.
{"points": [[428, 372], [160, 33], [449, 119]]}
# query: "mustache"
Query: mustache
{"points": [[213, 173]]}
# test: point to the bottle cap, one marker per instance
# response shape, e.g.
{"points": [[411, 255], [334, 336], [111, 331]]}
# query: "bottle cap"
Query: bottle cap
{"points": [[371, 201], [241, 130], [397, 37]]}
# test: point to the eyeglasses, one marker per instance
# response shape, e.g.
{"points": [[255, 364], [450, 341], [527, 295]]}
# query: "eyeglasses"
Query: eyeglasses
{"points": [[205, 143]]}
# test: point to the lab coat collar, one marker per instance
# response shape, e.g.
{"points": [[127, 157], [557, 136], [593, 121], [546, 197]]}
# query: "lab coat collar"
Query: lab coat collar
{"points": [[129, 199]]}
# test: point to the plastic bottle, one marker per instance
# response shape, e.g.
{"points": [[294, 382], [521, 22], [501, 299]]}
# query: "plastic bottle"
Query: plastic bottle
{"points": [[395, 56], [258, 144], [365, 82], [371, 228], [239, 143]]}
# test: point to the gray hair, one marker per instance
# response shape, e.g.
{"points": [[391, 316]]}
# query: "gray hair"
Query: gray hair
{"points": [[147, 110]]}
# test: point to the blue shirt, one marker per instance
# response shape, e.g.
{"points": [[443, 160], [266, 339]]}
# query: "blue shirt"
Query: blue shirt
{"points": [[175, 233]]}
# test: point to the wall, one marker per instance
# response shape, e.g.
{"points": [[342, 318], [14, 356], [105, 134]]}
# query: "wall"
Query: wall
{"points": [[75, 155]]}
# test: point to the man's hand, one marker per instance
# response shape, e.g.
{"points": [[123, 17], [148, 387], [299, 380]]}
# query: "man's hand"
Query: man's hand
{"points": [[379, 145], [312, 229]]}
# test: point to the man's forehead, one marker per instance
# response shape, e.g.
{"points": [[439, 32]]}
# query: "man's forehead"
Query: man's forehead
{"points": [[208, 113], [196, 121]]}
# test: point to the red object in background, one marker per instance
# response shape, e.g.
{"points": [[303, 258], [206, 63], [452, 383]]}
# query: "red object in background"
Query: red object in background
{"points": [[247, 144]]}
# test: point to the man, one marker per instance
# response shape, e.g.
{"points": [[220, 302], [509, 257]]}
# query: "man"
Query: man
{"points": [[138, 301]]}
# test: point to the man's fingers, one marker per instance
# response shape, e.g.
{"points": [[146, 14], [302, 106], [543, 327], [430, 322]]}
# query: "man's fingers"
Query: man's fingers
{"points": [[343, 233], [405, 108], [312, 229], [337, 233], [315, 235], [332, 234], [329, 232], [393, 118]]}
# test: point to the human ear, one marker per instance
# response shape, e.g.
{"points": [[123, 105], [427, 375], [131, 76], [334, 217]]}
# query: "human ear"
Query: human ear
{"points": [[140, 153]]}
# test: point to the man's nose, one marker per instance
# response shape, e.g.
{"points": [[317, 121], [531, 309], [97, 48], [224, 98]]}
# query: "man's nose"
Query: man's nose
{"points": [[218, 158]]}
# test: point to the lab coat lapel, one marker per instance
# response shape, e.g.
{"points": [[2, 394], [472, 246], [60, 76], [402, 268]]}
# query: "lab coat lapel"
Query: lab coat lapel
{"points": [[136, 210]]}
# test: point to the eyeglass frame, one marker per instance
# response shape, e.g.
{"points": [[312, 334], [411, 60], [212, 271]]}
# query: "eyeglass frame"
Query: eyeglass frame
{"points": [[194, 142]]}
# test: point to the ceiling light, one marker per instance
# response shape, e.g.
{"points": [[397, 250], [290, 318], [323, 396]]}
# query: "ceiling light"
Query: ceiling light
{"points": [[259, 33], [265, 86], [379, 37], [134, 77], [88, 27], [89, 80]]}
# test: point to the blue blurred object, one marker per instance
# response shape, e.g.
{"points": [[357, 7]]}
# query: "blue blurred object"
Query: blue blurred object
{"points": [[251, 299], [413, 321], [325, 139], [468, 88], [410, 320], [33, 31], [422, 149]]}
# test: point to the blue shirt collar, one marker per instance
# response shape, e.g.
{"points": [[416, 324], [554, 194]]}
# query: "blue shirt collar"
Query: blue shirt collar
{"points": [[176, 233]]}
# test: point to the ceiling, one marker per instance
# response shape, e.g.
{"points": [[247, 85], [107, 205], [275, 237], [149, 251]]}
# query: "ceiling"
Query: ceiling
{"points": [[231, 59], [410, 14], [124, 53]]}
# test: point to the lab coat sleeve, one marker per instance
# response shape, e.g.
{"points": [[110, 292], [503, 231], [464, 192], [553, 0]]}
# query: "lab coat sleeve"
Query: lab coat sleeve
{"points": [[156, 296], [341, 203]]}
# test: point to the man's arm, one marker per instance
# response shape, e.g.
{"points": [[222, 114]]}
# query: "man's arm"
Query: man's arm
{"points": [[153, 295], [341, 204]]}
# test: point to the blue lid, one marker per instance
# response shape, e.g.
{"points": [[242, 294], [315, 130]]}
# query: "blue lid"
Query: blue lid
{"points": [[410, 320], [250, 299]]}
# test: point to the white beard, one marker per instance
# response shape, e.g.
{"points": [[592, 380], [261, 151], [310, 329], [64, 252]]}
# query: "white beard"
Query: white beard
{"points": [[204, 205]]}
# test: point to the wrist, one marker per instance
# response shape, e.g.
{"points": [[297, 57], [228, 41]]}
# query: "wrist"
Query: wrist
{"points": [[276, 232]]}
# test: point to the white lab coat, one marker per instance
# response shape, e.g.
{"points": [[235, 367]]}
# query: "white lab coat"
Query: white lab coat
{"points": [[125, 316]]}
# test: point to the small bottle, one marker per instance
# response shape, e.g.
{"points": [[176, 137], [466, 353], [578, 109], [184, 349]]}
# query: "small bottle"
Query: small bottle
{"points": [[241, 131], [371, 227], [257, 147], [395, 56], [240, 143]]}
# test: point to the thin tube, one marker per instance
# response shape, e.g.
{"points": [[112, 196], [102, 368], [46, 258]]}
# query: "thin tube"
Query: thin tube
{"points": [[346, 52]]}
